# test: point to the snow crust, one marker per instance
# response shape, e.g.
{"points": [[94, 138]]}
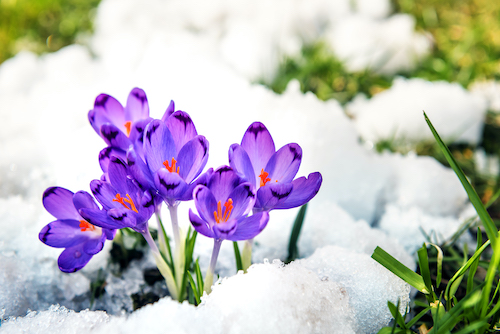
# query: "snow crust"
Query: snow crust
{"points": [[204, 56]]}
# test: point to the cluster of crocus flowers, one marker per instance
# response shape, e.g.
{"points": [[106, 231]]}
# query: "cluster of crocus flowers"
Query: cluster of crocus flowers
{"points": [[149, 162]]}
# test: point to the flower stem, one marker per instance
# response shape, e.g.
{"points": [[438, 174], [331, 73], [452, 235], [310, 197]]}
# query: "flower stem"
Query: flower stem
{"points": [[175, 223], [162, 266], [161, 235], [179, 256], [209, 278], [246, 254]]}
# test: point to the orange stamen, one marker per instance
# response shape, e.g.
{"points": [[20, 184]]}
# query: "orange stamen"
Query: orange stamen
{"points": [[264, 178], [171, 169], [123, 200], [86, 226], [228, 208], [128, 125]]}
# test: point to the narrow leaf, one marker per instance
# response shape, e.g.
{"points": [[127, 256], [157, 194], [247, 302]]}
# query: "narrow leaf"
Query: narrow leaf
{"points": [[237, 256], [293, 251]]}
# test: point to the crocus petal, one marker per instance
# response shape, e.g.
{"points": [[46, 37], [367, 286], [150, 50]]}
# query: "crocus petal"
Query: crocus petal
{"points": [[170, 110], [272, 195], [225, 230], [100, 218], [243, 197], [223, 181], [59, 203], [259, 145], [249, 227], [114, 137], [63, 233], [118, 174], [200, 225], [181, 127], [105, 156], [201, 180], [240, 162], [106, 109], [125, 218], [137, 135], [159, 145], [285, 163], [93, 246], [104, 192], [303, 191], [170, 185], [137, 105], [205, 203], [83, 199], [192, 158], [73, 259]]}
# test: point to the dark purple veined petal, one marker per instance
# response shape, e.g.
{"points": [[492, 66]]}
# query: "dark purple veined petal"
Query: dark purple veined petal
{"points": [[170, 185], [240, 162], [73, 259], [137, 105], [104, 193], [182, 128], [109, 233], [192, 158], [200, 225], [303, 191], [205, 203], [63, 233], [225, 230], [125, 218], [106, 154], [285, 163], [100, 218], [224, 179], [201, 180], [93, 246], [249, 227], [243, 197], [272, 195], [259, 145], [118, 175], [106, 109], [137, 135], [159, 146], [59, 203], [83, 199], [170, 110], [114, 137]]}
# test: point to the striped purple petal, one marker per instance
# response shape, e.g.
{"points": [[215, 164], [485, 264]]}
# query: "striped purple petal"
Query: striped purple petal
{"points": [[73, 259], [249, 227], [272, 195], [284, 164], [137, 105], [192, 158], [182, 128], [259, 145], [63, 233], [200, 225], [159, 145], [303, 191], [59, 203], [241, 163]]}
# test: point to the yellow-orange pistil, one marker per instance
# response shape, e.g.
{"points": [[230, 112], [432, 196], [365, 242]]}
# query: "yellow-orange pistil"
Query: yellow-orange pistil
{"points": [[171, 166], [264, 177], [86, 226], [128, 126], [219, 216], [123, 201]]}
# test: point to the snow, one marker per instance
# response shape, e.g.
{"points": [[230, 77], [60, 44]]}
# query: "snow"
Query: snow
{"points": [[205, 57]]}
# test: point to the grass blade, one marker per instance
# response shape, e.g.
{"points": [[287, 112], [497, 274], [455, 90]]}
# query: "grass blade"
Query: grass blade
{"points": [[237, 256], [488, 223], [293, 251], [399, 269]]}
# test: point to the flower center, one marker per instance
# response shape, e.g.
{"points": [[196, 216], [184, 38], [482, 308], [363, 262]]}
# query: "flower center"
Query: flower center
{"points": [[222, 217], [86, 226], [171, 166], [128, 125], [264, 177], [124, 201]]}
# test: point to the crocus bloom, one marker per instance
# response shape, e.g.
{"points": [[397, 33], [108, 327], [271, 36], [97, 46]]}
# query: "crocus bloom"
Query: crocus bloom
{"points": [[223, 205], [81, 239], [271, 171], [124, 203], [175, 155], [121, 126]]}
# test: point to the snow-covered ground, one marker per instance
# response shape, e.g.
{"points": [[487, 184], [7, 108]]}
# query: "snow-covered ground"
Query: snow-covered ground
{"points": [[205, 55]]}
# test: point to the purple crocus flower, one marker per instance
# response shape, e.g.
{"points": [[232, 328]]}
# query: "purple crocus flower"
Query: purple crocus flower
{"points": [[121, 126], [271, 171], [124, 203], [223, 205], [175, 155], [71, 231]]}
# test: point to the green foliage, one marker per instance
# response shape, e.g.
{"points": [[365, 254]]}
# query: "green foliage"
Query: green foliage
{"points": [[293, 249], [320, 72], [42, 25]]}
